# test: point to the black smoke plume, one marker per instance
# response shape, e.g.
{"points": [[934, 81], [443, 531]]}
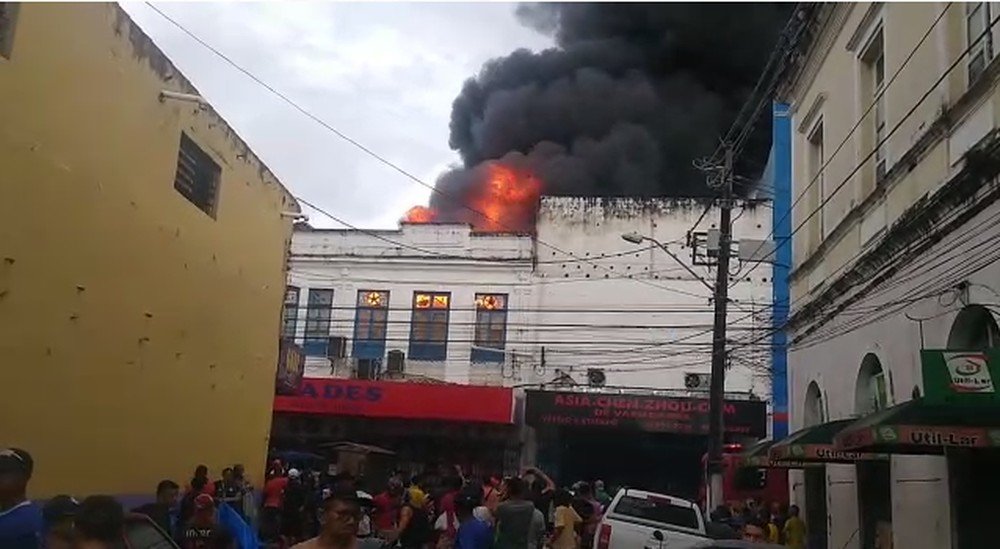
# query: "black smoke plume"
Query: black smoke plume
{"points": [[629, 98]]}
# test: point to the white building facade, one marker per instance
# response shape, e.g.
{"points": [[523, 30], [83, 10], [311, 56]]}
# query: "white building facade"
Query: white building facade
{"points": [[355, 296], [523, 310], [632, 310]]}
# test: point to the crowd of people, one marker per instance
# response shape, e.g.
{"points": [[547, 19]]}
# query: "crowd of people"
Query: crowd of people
{"points": [[754, 521], [305, 508], [194, 519], [454, 511]]}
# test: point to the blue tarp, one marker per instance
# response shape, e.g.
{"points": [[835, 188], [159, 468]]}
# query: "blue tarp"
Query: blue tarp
{"points": [[244, 535]]}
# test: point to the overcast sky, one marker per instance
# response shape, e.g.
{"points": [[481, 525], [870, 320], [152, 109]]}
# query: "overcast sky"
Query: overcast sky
{"points": [[382, 73]]}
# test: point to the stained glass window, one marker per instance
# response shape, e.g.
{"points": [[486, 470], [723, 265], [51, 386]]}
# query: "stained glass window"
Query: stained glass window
{"points": [[429, 326], [491, 328]]}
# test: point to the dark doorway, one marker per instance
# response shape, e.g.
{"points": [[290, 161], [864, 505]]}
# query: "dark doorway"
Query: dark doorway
{"points": [[659, 462], [816, 515], [975, 483], [874, 501]]}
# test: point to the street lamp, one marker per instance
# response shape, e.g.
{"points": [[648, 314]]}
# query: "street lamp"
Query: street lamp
{"points": [[636, 238]]}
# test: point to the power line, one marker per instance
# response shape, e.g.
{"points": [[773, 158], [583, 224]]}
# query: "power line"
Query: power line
{"points": [[381, 158], [914, 270], [780, 48], [857, 124], [654, 308], [940, 283], [553, 326]]}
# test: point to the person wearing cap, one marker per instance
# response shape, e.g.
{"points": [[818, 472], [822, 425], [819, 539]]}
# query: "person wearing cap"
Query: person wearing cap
{"points": [[20, 518], [342, 512], [57, 516], [293, 509], [203, 531]]}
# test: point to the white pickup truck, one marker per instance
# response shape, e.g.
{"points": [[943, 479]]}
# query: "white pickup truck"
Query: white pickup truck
{"points": [[637, 519]]}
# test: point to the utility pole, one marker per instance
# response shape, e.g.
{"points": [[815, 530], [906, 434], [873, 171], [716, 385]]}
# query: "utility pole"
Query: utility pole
{"points": [[717, 388]]}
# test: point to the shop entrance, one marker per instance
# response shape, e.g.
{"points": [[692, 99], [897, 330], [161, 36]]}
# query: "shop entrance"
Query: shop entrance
{"points": [[975, 483], [815, 511], [658, 462], [874, 504], [417, 445]]}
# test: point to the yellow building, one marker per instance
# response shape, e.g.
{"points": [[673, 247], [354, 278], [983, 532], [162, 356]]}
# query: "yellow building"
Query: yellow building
{"points": [[142, 262]]}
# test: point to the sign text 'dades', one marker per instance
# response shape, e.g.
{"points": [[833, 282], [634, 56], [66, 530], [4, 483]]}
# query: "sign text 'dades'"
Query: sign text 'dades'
{"points": [[658, 414], [392, 399]]}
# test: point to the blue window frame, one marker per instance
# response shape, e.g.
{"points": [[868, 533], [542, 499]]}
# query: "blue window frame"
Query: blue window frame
{"points": [[290, 313], [370, 320], [429, 326], [491, 328], [318, 310]]}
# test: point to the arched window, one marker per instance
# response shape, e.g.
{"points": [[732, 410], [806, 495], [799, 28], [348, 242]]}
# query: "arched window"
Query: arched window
{"points": [[813, 413], [870, 393], [974, 329]]}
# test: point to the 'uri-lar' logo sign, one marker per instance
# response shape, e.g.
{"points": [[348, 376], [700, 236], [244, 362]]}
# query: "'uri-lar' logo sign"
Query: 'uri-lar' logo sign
{"points": [[970, 372]]}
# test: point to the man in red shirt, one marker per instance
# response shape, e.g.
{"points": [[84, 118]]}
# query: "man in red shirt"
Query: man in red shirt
{"points": [[274, 500], [387, 505]]}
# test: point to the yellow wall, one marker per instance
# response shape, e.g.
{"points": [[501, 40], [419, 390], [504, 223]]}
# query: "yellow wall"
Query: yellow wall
{"points": [[138, 336]]}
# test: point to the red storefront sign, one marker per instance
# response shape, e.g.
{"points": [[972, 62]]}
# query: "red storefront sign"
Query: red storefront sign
{"points": [[656, 414], [394, 399]]}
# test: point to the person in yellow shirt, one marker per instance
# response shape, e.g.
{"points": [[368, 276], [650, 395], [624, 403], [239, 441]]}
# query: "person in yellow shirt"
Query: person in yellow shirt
{"points": [[566, 522], [771, 533], [795, 529]]}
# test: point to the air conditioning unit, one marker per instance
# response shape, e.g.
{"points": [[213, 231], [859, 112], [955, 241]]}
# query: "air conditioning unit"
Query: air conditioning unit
{"points": [[697, 382], [395, 364], [337, 347], [596, 377], [369, 368]]}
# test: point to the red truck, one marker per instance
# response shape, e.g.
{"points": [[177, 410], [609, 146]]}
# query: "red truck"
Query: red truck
{"points": [[741, 483]]}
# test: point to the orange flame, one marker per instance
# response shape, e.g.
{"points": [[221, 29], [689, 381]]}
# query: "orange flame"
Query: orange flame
{"points": [[508, 199], [419, 214], [503, 200]]}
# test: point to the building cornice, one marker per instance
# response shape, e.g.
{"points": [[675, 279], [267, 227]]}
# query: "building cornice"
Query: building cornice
{"points": [[830, 19], [942, 127], [922, 226], [863, 32], [810, 117]]}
